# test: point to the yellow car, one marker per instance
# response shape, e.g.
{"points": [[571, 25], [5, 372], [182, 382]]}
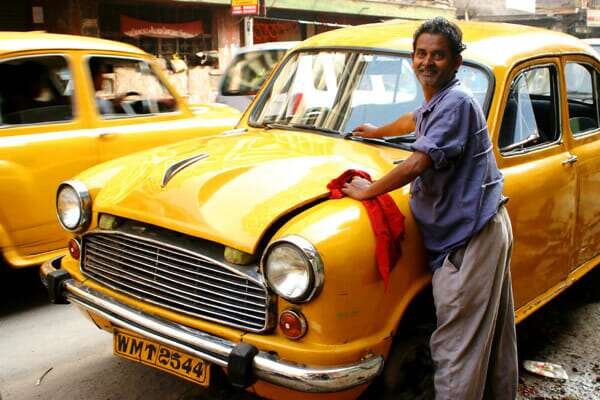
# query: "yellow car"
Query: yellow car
{"points": [[226, 253], [66, 104]]}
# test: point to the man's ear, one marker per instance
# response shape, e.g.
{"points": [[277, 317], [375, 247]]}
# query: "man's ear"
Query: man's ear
{"points": [[458, 61]]}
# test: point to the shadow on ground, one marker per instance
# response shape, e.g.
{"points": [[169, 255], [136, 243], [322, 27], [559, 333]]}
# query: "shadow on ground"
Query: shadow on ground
{"points": [[20, 290]]}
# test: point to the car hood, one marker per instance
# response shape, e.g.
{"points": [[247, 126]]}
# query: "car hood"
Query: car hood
{"points": [[235, 185]]}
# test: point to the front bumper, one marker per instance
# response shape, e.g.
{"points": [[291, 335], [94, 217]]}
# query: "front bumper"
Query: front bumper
{"points": [[264, 366]]}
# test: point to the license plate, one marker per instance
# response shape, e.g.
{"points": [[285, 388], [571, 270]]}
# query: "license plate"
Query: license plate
{"points": [[140, 349]]}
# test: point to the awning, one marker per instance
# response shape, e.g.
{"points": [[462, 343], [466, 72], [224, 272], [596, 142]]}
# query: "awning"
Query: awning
{"points": [[136, 27]]}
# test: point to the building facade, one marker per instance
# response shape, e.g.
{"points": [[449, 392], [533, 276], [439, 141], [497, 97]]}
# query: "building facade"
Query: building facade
{"points": [[580, 18], [203, 35]]}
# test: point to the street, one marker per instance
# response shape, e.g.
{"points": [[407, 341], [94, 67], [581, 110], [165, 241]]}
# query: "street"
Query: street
{"points": [[72, 359]]}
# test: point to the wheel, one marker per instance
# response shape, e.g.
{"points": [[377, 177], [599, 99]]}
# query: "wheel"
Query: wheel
{"points": [[408, 370]]}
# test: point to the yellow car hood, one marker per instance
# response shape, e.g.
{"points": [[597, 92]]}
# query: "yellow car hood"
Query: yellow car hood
{"points": [[239, 185]]}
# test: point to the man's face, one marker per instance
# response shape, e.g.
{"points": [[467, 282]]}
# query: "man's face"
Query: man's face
{"points": [[433, 61]]}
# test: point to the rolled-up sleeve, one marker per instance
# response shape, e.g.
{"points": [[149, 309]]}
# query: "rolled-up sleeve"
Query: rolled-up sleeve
{"points": [[445, 132]]}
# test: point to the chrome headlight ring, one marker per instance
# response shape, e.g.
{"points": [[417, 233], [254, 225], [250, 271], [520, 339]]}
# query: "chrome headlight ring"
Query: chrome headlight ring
{"points": [[297, 285], [73, 205]]}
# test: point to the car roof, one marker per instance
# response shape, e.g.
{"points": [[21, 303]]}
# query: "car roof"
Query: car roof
{"points": [[24, 41], [492, 44]]}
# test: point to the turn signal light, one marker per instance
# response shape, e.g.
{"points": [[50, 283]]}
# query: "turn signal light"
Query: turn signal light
{"points": [[293, 324], [74, 249]]}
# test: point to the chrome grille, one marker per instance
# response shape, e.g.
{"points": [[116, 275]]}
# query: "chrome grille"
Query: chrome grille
{"points": [[176, 279]]}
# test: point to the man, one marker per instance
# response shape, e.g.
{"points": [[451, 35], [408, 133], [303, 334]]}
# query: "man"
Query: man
{"points": [[456, 198]]}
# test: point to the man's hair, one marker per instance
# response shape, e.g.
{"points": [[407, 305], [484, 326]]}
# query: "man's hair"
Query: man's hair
{"points": [[441, 26]]}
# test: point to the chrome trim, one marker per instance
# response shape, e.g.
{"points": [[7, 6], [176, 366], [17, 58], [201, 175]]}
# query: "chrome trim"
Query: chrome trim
{"points": [[85, 204], [237, 319], [232, 132], [571, 160], [317, 275], [267, 366], [179, 166]]}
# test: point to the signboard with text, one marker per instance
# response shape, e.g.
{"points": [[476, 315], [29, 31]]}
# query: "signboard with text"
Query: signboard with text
{"points": [[593, 17], [244, 7]]}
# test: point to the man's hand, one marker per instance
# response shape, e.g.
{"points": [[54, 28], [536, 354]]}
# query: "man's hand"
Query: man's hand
{"points": [[358, 188], [365, 130]]}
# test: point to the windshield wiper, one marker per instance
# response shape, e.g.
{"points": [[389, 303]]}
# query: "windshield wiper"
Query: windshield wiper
{"points": [[278, 125], [385, 141], [316, 128]]}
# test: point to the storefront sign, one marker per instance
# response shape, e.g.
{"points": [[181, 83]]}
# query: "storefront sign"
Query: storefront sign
{"points": [[275, 31], [244, 7], [593, 17], [137, 27]]}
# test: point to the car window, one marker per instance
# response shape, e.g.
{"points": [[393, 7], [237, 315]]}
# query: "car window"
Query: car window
{"points": [[339, 90], [581, 97], [248, 71], [531, 116], [127, 87], [35, 90]]}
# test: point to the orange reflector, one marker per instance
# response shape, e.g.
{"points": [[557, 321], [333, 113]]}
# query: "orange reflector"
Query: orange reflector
{"points": [[74, 249], [292, 323]]}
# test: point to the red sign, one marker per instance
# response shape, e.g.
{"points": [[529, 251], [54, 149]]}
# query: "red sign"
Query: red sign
{"points": [[244, 7], [137, 27]]}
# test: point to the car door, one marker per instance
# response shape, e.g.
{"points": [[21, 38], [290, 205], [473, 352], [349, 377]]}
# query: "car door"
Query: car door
{"points": [[135, 109], [43, 140], [582, 78], [539, 180]]}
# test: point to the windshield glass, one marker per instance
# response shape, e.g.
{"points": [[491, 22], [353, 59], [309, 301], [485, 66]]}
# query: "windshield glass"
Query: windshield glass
{"points": [[248, 71], [339, 90]]}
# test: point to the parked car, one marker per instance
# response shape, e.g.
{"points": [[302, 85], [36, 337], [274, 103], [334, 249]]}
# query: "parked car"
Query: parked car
{"points": [[595, 43], [225, 254], [67, 103], [247, 72]]}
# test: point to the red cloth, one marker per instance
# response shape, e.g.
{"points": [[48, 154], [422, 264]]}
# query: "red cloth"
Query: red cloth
{"points": [[387, 222]]}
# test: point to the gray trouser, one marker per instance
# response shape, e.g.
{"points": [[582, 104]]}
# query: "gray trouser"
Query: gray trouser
{"points": [[474, 347]]}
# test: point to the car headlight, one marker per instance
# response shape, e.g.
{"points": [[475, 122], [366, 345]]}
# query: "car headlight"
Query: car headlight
{"points": [[73, 205], [293, 268]]}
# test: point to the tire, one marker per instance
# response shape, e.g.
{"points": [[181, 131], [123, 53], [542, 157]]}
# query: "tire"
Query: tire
{"points": [[408, 370]]}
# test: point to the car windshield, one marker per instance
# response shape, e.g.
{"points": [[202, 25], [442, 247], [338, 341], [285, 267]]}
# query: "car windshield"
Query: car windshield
{"points": [[336, 91], [248, 71]]}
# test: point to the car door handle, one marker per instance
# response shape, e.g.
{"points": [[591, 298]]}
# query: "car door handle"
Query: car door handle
{"points": [[106, 135], [571, 160]]}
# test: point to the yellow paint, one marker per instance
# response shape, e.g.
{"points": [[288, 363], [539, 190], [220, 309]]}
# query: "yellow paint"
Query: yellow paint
{"points": [[252, 179], [35, 158]]}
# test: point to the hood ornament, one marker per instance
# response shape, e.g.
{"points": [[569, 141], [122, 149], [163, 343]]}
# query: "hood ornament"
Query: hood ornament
{"points": [[179, 166]]}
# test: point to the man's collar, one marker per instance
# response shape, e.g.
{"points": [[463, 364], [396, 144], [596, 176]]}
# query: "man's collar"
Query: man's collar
{"points": [[428, 106]]}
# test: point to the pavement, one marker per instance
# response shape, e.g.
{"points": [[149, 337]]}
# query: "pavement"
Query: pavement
{"points": [[52, 352]]}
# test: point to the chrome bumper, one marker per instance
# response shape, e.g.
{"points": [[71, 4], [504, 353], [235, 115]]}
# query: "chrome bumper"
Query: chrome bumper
{"points": [[266, 367]]}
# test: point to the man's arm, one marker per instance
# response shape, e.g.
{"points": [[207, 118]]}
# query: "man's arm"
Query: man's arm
{"points": [[403, 125], [413, 166]]}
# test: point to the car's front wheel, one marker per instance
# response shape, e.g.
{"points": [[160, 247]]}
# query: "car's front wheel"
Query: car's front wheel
{"points": [[408, 370]]}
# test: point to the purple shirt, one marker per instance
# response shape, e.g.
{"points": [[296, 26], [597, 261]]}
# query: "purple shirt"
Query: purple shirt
{"points": [[455, 197]]}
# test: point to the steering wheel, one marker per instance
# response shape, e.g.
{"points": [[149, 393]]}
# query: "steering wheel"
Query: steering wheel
{"points": [[131, 93], [126, 105]]}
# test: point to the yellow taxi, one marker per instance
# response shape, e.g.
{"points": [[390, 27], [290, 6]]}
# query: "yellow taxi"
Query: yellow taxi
{"points": [[66, 104], [226, 254]]}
